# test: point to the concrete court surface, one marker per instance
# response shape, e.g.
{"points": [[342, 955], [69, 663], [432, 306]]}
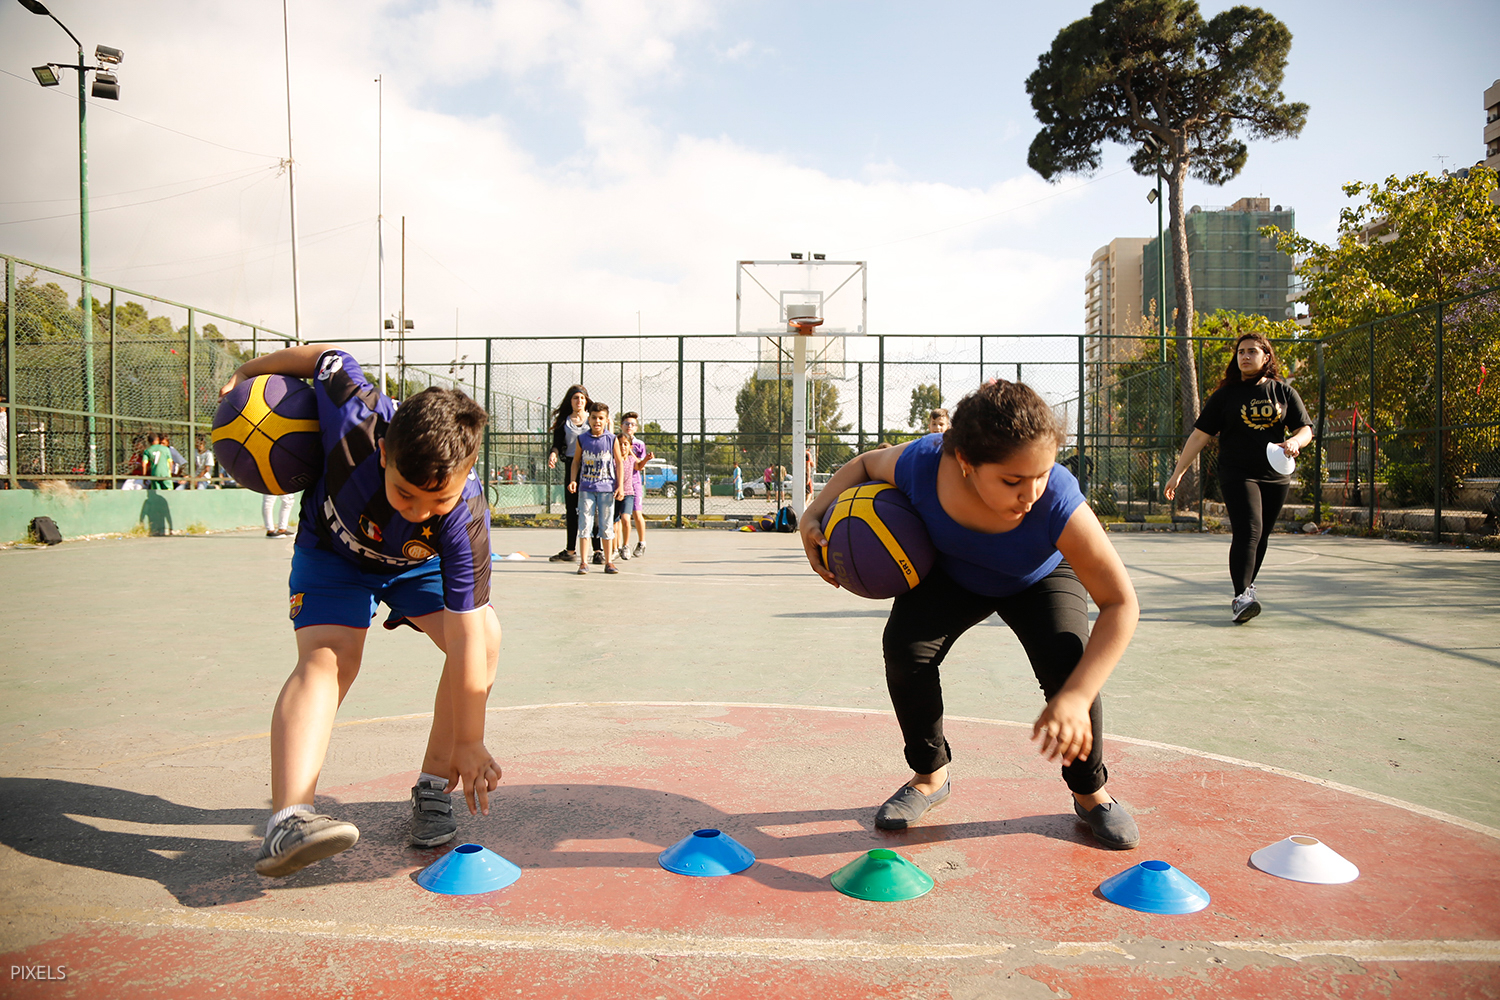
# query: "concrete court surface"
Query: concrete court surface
{"points": [[1360, 708]]}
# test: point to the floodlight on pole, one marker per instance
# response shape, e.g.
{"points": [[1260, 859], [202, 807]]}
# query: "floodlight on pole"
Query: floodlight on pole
{"points": [[106, 86]]}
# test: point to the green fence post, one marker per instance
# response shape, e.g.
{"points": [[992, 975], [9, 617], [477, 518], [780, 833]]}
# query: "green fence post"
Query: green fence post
{"points": [[1370, 421], [10, 368], [114, 416], [1437, 465], [192, 385], [880, 398], [1082, 472], [489, 427], [861, 367], [680, 343], [560, 458], [702, 435], [1318, 438]]}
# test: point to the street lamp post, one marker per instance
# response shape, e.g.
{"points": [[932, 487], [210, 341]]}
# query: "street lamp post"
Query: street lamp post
{"points": [[107, 86]]}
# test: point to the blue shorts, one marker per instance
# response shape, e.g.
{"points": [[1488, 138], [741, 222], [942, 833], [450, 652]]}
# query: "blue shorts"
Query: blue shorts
{"points": [[327, 589], [627, 507]]}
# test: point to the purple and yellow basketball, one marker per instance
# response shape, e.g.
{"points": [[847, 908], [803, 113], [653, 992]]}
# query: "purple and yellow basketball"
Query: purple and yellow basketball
{"points": [[266, 434], [877, 544]]}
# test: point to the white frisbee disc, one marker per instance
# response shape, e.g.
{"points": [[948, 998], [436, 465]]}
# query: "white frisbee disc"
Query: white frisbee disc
{"points": [[1280, 460]]}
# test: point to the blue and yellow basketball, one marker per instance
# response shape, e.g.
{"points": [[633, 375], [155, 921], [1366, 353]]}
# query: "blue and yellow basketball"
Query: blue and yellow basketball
{"points": [[878, 546], [266, 434]]}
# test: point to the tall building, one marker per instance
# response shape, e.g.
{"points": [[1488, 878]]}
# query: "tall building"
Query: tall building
{"points": [[1112, 298], [1232, 265], [1492, 131]]}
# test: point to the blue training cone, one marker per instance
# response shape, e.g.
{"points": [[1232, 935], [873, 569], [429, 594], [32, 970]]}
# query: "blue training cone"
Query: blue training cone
{"points": [[468, 870], [1154, 887], [705, 853]]}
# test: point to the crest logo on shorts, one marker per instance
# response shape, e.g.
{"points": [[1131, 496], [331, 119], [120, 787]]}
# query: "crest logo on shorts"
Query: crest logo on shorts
{"points": [[331, 363], [417, 549], [296, 605], [370, 528]]}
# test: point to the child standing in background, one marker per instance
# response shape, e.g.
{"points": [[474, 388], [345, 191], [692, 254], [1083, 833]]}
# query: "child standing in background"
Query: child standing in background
{"points": [[596, 476], [635, 458]]}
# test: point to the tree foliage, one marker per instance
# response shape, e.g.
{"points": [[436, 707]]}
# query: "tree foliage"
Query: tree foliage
{"points": [[924, 399], [763, 422], [1156, 76]]}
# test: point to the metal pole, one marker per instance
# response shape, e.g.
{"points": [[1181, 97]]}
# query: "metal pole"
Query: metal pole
{"points": [[1318, 441], [799, 422], [1161, 272], [380, 218], [192, 383], [861, 366], [291, 177], [702, 434], [880, 390], [87, 304], [401, 322], [680, 344], [560, 458], [488, 402], [114, 421], [1437, 465], [776, 469], [1082, 472], [10, 369], [981, 361], [1370, 420]]}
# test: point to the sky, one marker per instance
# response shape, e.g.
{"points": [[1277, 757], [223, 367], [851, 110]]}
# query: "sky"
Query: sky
{"points": [[598, 166]]}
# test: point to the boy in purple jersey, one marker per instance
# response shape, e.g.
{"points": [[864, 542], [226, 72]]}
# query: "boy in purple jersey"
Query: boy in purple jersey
{"points": [[397, 516], [597, 476]]}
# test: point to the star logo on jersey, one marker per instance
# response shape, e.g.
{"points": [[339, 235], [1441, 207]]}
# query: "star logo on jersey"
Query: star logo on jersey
{"points": [[331, 363], [370, 529], [296, 607], [426, 532], [416, 549]]}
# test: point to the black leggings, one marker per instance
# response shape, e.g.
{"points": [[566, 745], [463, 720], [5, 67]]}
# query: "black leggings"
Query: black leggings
{"points": [[1253, 508], [1050, 618]]}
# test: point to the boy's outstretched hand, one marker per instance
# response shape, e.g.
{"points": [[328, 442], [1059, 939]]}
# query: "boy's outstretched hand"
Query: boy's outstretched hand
{"points": [[479, 772], [1064, 728]]}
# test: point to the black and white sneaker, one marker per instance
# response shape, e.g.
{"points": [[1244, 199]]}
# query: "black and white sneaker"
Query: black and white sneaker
{"points": [[299, 840], [432, 821], [598, 558], [1244, 607], [640, 549]]}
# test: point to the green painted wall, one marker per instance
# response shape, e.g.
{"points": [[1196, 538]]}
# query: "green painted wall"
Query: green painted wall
{"points": [[95, 512]]}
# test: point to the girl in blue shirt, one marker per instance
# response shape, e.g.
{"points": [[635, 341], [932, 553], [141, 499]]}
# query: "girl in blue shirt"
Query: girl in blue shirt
{"points": [[1014, 537]]}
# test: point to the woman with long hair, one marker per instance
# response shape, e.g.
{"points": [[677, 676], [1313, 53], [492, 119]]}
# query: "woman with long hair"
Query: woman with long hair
{"points": [[570, 420], [1251, 410]]}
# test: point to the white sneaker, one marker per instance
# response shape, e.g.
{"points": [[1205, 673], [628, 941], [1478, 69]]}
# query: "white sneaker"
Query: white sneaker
{"points": [[640, 548], [625, 554], [1244, 607]]}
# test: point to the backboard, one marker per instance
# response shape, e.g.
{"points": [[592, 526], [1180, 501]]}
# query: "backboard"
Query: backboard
{"points": [[835, 288]]}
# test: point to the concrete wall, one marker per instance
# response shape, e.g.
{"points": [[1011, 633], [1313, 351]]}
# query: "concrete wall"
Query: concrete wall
{"points": [[96, 512]]}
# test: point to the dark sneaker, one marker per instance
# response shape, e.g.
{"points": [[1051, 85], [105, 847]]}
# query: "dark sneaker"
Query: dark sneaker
{"points": [[907, 806], [1112, 826], [301, 839], [273, 534], [563, 556], [432, 821], [598, 558]]}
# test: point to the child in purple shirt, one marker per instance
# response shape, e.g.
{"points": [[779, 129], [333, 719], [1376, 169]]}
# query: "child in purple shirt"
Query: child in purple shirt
{"points": [[598, 478]]}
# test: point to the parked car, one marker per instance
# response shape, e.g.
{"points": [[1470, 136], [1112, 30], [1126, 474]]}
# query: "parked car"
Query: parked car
{"points": [[757, 487], [659, 477]]}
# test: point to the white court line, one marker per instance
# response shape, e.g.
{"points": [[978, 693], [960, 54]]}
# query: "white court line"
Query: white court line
{"points": [[1412, 807], [612, 942]]}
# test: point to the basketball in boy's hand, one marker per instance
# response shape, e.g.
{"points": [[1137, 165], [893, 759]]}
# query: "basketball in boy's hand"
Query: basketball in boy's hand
{"points": [[877, 544], [266, 434]]}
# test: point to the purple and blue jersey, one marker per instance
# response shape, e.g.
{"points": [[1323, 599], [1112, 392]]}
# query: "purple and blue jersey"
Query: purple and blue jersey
{"points": [[596, 470], [346, 510]]}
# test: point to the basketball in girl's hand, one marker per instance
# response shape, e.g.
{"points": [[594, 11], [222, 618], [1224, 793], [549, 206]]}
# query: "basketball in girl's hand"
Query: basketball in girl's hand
{"points": [[877, 544], [266, 434]]}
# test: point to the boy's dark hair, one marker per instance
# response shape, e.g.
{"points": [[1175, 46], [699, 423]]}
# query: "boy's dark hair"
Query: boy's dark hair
{"points": [[153, 438], [631, 415], [595, 406], [992, 423], [433, 435], [939, 414]]}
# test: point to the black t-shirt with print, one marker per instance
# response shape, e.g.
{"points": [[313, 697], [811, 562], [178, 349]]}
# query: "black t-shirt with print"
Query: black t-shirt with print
{"points": [[1248, 416]]}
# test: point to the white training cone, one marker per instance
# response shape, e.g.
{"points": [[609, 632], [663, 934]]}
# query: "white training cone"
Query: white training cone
{"points": [[1304, 859], [1280, 460]]}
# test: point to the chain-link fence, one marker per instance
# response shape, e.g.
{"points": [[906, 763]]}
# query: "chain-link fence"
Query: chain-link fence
{"points": [[81, 395]]}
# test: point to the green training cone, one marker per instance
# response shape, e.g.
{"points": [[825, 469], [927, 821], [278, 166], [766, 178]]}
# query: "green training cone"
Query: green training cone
{"points": [[883, 876]]}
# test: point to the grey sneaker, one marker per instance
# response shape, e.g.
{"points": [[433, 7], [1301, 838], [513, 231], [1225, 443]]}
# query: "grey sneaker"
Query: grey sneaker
{"points": [[432, 821], [301, 839], [1111, 825], [625, 555], [640, 549], [1244, 608], [907, 806]]}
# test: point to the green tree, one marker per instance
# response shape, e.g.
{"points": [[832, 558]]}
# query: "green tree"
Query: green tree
{"points": [[761, 427], [924, 399], [1153, 74], [1411, 243]]}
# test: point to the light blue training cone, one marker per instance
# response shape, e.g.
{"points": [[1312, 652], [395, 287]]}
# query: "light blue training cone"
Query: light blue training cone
{"points": [[1154, 887], [468, 870], [705, 853]]}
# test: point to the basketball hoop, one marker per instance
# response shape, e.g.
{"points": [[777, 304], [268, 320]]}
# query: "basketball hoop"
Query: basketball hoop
{"points": [[802, 319]]}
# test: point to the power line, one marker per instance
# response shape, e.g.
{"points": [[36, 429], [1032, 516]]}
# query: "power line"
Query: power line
{"points": [[242, 172], [148, 201], [165, 128]]}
